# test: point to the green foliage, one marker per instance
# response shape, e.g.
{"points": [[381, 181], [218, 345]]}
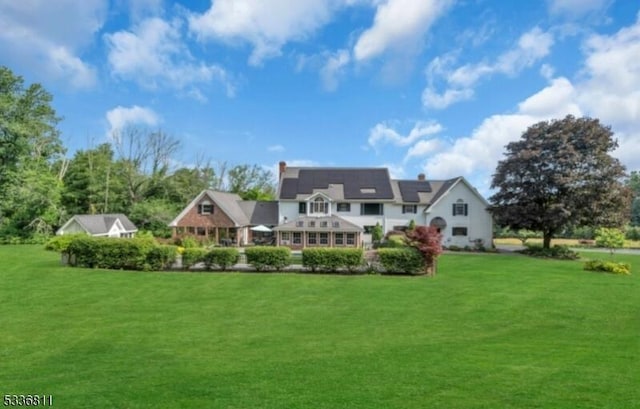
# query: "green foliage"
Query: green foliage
{"points": [[61, 244], [393, 241], [264, 258], [559, 174], [192, 256], [251, 182], [632, 233], [609, 238], [608, 267], [377, 233], [109, 252], [154, 215], [161, 257], [559, 252], [406, 260], [412, 225], [523, 235], [332, 259], [221, 258], [189, 242]]}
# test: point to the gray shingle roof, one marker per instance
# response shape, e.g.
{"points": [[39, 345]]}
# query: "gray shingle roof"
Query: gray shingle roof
{"points": [[102, 223], [260, 212]]}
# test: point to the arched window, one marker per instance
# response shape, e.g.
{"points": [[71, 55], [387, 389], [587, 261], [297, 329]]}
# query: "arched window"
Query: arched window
{"points": [[319, 205], [460, 208]]}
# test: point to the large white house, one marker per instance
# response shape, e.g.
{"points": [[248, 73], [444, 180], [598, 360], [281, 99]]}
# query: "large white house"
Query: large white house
{"points": [[329, 206], [363, 197]]}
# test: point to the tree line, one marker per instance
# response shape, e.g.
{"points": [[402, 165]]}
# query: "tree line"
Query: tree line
{"points": [[136, 172]]}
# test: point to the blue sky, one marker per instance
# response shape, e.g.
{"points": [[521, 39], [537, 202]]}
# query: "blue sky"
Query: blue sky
{"points": [[433, 86]]}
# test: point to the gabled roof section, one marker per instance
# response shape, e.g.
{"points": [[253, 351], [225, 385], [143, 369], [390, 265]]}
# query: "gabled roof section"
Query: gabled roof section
{"points": [[227, 202], [357, 183], [99, 224], [447, 185]]}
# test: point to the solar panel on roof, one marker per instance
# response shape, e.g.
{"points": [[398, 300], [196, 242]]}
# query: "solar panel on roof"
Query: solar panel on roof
{"points": [[409, 190], [353, 180]]}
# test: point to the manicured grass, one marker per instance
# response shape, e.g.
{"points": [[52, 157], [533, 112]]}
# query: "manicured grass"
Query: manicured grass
{"points": [[489, 331]]}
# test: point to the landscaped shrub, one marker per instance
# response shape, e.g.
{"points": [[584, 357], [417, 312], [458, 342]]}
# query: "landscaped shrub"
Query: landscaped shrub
{"points": [[610, 238], [332, 259], [61, 244], [221, 258], [109, 252], [560, 252], [633, 233], [161, 257], [608, 267], [264, 258], [406, 260], [192, 256]]}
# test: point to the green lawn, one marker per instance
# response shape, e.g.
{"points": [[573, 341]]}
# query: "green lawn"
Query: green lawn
{"points": [[490, 331]]}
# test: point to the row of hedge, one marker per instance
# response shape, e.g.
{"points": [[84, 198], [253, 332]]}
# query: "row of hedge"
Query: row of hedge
{"points": [[144, 253]]}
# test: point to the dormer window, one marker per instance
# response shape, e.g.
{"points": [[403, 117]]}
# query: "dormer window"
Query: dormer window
{"points": [[319, 206]]}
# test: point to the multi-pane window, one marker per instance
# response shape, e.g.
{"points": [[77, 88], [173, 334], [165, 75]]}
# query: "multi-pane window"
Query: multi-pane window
{"points": [[302, 207], [351, 239], [297, 238], [312, 223], [312, 238], [344, 207], [460, 208], [409, 209], [339, 239], [459, 231], [285, 236], [324, 238], [324, 223], [336, 224], [205, 208], [371, 209], [319, 205]]}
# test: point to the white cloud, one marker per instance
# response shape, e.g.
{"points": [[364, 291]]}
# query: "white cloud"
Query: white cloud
{"points": [[395, 171], [576, 8], [431, 98], [608, 88], [120, 117], [422, 148], [51, 36], [154, 55], [531, 47], [334, 68], [267, 26], [275, 148], [397, 24], [384, 133]]}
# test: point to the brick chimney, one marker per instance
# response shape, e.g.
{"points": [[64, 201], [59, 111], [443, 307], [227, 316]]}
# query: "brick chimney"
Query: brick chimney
{"points": [[283, 167], [421, 177]]}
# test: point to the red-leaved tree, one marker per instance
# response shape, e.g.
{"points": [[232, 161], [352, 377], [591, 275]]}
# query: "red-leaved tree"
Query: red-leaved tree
{"points": [[428, 241]]}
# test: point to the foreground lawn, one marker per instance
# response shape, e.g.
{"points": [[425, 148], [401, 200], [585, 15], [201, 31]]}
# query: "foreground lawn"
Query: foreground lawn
{"points": [[490, 331], [632, 244]]}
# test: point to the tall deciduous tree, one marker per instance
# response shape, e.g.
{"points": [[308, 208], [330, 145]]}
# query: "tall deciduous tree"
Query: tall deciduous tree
{"points": [[251, 182], [560, 174], [29, 146]]}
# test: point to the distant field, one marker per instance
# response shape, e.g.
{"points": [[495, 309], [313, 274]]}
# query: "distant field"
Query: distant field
{"points": [[568, 242], [489, 331]]}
